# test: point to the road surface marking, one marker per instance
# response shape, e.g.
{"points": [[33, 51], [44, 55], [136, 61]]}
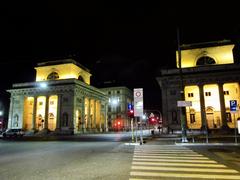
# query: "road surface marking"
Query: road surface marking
{"points": [[166, 162]]}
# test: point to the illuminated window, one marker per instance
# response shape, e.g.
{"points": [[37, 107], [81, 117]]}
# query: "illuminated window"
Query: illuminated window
{"points": [[205, 60], [190, 94], [226, 92], [53, 76], [207, 93]]}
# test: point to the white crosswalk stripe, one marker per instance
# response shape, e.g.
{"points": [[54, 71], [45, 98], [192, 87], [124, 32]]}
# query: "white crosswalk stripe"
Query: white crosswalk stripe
{"points": [[176, 162]]}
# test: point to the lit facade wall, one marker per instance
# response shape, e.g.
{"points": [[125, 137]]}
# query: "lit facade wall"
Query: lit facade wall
{"points": [[119, 98], [211, 79], [62, 106], [221, 54], [65, 71], [231, 92], [28, 112], [193, 113]]}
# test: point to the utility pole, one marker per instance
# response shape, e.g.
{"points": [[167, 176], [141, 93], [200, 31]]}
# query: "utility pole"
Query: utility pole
{"points": [[182, 98]]}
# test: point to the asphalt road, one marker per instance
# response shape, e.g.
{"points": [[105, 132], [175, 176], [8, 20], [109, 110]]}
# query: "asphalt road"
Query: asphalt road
{"points": [[64, 160], [102, 156]]}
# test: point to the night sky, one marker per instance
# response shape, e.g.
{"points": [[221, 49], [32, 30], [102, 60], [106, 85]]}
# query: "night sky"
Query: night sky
{"points": [[124, 43]]}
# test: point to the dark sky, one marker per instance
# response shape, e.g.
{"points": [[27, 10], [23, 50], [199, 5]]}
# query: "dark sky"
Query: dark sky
{"points": [[121, 42]]}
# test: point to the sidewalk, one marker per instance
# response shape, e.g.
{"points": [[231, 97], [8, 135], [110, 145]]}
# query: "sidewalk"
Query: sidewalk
{"points": [[193, 140]]}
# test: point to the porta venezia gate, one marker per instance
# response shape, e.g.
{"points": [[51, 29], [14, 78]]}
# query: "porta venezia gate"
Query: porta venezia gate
{"points": [[60, 113]]}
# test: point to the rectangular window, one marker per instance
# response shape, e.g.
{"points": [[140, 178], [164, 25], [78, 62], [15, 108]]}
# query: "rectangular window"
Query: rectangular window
{"points": [[174, 117], [192, 118], [190, 94], [226, 92], [118, 92], [207, 93], [109, 109], [118, 108], [109, 92]]}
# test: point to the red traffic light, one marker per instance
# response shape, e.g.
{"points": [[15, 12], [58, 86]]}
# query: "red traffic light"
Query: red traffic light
{"points": [[131, 113]]}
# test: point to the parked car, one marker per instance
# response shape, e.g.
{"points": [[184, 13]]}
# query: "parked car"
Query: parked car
{"points": [[13, 133]]}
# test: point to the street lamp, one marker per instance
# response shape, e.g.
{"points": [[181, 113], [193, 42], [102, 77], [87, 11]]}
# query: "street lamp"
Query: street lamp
{"points": [[182, 109], [114, 102]]}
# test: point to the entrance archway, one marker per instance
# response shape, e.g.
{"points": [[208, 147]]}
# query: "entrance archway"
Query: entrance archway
{"points": [[210, 117]]}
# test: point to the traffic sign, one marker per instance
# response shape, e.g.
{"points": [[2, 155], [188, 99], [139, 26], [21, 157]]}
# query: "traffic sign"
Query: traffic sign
{"points": [[138, 102], [184, 103], [233, 105]]}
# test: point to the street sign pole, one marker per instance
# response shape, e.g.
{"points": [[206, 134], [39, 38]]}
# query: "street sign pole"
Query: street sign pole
{"points": [[136, 130], [138, 110], [235, 129], [141, 131], [132, 130]]}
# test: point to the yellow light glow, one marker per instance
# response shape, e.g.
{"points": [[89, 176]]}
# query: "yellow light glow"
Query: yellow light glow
{"points": [[52, 112], [221, 54], [65, 71]]}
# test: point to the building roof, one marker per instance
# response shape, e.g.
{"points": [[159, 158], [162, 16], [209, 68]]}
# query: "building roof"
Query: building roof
{"points": [[205, 44], [62, 61]]}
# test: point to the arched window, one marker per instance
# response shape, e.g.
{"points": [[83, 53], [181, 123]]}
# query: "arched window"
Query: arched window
{"points": [[53, 76], [80, 78], [205, 60]]}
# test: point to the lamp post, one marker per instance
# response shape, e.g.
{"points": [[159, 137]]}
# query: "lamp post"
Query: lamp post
{"points": [[114, 101], [182, 109]]}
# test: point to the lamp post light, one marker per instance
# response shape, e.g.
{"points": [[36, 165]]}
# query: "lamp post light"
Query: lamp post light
{"points": [[182, 109], [114, 101]]}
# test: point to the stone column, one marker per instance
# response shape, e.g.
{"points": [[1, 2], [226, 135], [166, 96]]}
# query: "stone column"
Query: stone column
{"points": [[100, 117], [105, 118], [10, 116], [46, 113], [222, 104], [34, 113], [83, 115], [202, 104], [94, 115], [59, 108], [89, 112]]}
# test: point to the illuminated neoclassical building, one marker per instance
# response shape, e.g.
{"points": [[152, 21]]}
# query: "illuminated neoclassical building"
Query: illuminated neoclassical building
{"points": [[61, 101], [211, 79]]}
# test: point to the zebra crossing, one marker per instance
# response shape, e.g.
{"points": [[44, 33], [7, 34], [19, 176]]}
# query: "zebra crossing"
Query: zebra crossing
{"points": [[176, 162]]}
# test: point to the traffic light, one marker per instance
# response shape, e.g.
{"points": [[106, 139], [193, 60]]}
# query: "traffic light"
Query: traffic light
{"points": [[152, 120], [131, 113]]}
